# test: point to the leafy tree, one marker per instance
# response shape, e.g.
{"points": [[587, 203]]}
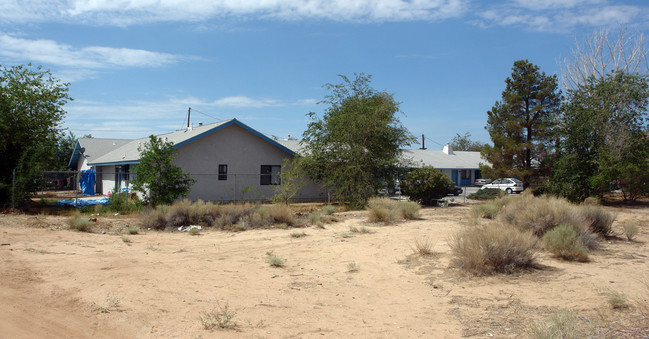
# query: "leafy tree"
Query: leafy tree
{"points": [[356, 144], [65, 147], [426, 184], [521, 125], [291, 180], [31, 112], [464, 143], [156, 177], [604, 139]]}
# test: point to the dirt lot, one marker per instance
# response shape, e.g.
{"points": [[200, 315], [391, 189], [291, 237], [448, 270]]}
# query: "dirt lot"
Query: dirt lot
{"points": [[61, 283]]}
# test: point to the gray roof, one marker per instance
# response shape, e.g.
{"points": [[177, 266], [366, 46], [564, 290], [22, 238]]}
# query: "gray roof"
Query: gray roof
{"points": [[94, 148], [441, 160], [292, 144], [129, 154]]}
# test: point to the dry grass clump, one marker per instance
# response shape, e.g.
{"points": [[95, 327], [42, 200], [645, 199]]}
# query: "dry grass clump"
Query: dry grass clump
{"points": [[386, 210], [565, 242], [631, 229], [409, 210], [80, 223], [219, 318], [381, 210], [235, 217], [490, 209], [274, 260], [423, 246], [493, 248], [563, 324], [617, 300], [329, 209], [541, 214]]}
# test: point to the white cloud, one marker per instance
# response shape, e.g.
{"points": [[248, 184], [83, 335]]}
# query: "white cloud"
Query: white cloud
{"points": [[95, 57], [560, 15], [129, 12], [140, 118]]}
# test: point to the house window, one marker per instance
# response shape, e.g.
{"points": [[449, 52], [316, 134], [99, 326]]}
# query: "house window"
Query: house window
{"points": [[270, 174], [223, 172], [466, 174]]}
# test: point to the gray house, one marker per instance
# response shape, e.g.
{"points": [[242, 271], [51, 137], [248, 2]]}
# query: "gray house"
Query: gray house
{"points": [[229, 160], [462, 167]]}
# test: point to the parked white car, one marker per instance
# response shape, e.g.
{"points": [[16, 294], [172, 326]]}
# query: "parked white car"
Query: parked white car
{"points": [[481, 181], [509, 185]]}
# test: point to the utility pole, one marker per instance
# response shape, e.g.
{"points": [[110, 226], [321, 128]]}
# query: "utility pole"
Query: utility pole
{"points": [[423, 145], [189, 113]]}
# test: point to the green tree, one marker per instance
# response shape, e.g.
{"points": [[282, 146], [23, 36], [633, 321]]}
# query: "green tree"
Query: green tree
{"points": [[521, 125], [464, 143], [31, 112], [356, 145], [291, 180], [65, 147], [156, 177], [426, 184], [604, 139]]}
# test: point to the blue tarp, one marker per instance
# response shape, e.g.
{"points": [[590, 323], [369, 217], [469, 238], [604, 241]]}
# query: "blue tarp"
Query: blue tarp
{"points": [[84, 202], [87, 182]]}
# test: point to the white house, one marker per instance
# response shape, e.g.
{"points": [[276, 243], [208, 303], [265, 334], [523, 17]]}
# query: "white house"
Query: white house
{"points": [[229, 160]]}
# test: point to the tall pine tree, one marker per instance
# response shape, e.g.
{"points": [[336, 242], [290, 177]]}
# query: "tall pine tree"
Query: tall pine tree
{"points": [[521, 125]]}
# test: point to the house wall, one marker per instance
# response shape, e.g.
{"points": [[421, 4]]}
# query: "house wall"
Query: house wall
{"points": [[244, 153], [105, 180]]}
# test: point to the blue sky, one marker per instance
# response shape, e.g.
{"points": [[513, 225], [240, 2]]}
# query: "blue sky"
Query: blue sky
{"points": [[135, 67]]}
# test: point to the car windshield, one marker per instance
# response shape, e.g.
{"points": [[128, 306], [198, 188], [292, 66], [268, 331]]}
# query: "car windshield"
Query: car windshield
{"points": [[516, 181]]}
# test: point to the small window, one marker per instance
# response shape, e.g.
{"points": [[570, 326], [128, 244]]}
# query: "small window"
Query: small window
{"points": [[466, 174], [270, 174], [223, 172]]}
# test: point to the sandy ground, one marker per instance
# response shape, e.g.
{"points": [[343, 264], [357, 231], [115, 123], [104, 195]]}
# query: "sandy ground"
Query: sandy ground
{"points": [[59, 283]]}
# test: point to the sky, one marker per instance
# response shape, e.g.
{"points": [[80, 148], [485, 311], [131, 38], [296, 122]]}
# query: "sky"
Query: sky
{"points": [[136, 66]]}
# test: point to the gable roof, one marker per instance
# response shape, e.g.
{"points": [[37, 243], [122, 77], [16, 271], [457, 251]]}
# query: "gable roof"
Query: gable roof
{"points": [[441, 160], [94, 148], [129, 154]]}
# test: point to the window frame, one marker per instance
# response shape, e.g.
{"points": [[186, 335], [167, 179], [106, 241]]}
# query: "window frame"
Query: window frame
{"points": [[269, 175], [223, 172]]}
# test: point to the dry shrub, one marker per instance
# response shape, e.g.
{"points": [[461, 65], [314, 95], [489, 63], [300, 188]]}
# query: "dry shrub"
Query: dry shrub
{"points": [[328, 209], [631, 229], [381, 210], [204, 213], [592, 201], [314, 217], [563, 324], [541, 214], [280, 213], [599, 221], [155, 218], [80, 223], [565, 242], [409, 210], [180, 214], [493, 248], [423, 246]]}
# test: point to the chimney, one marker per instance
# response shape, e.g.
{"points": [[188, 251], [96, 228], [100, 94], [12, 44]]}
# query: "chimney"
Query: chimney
{"points": [[448, 149]]}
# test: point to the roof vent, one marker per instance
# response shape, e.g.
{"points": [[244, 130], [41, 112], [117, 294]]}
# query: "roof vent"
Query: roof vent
{"points": [[200, 124], [448, 149]]}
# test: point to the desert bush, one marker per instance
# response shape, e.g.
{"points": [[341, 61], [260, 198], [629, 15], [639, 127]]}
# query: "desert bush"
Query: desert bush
{"points": [[133, 230], [593, 201], [409, 210], [423, 246], [80, 223], [314, 217], [274, 260], [493, 248], [617, 300], [563, 324], [352, 267], [219, 317], [280, 213], [382, 210], [155, 218], [194, 231], [631, 230], [565, 242], [328, 209], [123, 202], [490, 209], [298, 234], [487, 194], [599, 221], [204, 213], [180, 214], [426, 184]]}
